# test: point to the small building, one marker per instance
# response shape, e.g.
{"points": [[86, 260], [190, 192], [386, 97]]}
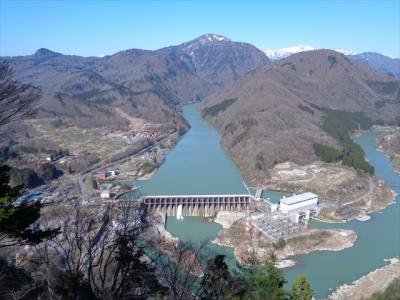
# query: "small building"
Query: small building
{"points": [[111, 174], [101, 175], [54, 157], [105, 194], [299, 208]]}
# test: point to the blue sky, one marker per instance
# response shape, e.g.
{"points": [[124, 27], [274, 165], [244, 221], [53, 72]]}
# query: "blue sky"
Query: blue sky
{"points": [[105, 27]]}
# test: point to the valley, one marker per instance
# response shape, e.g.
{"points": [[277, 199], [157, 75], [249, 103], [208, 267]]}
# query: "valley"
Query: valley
{"points": [[121, 125]]}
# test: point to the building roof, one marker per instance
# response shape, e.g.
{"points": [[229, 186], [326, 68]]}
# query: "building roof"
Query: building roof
{"points": [[298, 198]]}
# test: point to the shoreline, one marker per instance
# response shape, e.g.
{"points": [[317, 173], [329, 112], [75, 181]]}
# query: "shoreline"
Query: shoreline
{"points": [[280, 263], [365, 210], [247, 242], [147, 176], [341, 234], [391, 155], [328, 221], [375, 281]]}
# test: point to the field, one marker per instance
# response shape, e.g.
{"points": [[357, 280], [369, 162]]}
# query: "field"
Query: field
{"points": [[75, 139]]}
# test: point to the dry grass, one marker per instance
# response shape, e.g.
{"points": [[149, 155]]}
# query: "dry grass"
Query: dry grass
{"points": [[77, 140]]}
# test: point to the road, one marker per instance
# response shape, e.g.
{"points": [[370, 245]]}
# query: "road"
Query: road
{"points": [[367, 194], [99, 166]]}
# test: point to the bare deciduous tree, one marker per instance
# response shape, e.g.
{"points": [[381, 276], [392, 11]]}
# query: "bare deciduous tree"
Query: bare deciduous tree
{"points": [[183, 270], [103, 247], [16, 99]]}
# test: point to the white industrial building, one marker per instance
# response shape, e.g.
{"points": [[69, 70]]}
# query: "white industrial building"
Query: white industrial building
{"points": [[299, 208]]}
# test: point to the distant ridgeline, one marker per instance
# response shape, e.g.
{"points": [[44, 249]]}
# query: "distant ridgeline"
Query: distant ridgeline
{"points": [[340, 124]]}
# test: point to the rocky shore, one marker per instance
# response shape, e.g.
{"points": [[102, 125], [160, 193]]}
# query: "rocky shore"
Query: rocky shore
{"points": [[345, 194], [162, 240], [249, 244], [366, 286], [381, 197], [227, 218], [389, 144]]}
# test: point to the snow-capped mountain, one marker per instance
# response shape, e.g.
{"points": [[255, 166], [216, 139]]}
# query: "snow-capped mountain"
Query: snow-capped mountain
{"points": [[345, 51], [216, 55], [286, 52], [205, 39]]}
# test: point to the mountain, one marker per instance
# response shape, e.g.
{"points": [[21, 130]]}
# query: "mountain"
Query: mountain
{"points": [[383, 64], [145, 84], [379, 62], [286, 52], [275, 113], [218, 61]]}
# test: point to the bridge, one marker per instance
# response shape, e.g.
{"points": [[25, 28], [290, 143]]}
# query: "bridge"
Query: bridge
{"points": [[192, 205]]}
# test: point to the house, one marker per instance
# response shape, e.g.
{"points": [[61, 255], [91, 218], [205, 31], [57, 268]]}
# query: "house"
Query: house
{"points": [[105, 194], [299, 208], [101, 175]]}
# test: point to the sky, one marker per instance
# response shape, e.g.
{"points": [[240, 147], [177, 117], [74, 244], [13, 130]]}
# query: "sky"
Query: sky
{"points": [[93, 28]]}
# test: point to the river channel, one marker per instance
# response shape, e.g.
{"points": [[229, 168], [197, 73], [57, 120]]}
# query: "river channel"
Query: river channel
{"points": [[199, 165]]}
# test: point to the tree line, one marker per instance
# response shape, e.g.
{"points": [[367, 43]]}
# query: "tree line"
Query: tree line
{"points": [[339, 124]]}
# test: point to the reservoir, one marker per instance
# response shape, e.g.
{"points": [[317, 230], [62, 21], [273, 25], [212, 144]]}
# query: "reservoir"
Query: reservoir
{"points": [[199, 165]]}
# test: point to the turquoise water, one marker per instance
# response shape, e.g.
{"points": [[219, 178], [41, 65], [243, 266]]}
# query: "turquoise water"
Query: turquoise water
{"points": [[273, 196], [199, 233], [199, 165], [378, 238]]}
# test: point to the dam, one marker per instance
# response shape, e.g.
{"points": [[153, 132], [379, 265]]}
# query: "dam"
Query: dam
{"points": [[198, 165], [192, 205]]}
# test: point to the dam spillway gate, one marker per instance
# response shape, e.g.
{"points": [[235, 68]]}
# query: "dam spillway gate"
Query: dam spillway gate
{"points": [[193, 205]]}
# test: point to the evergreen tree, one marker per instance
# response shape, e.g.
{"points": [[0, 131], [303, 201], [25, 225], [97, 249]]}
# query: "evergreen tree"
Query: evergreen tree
{"points": [[301, 289], [15, 222], [16, 283], [266, 282], [49, 171], [216, 279]]}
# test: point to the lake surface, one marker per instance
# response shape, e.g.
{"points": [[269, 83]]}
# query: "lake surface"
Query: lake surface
{"points": [[199, 165]]}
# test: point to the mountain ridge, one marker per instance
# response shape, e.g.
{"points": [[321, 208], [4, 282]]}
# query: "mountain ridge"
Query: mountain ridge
{"points": [[381, 63], [279, 108], [134, 79]]}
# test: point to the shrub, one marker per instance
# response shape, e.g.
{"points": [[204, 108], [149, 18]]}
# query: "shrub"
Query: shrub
{"points": [[327, 153], [25, 177], [49, 171]]}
